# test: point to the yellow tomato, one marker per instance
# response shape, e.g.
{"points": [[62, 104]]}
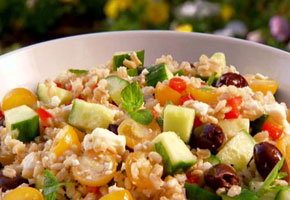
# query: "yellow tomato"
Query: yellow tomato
{"points": [[24, 193], [262, 85], [118, 195], [95, 169], [283, 144], [164, 93], [136, 133], [18, 97], [206, 95], [64, 141]]}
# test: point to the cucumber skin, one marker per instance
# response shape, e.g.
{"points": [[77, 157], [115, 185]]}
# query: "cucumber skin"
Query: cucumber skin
{"points": [[116, 96], [283, 194], [194, 192], [118, 59], [28, 129], [258, 124], [169, 168], [157, 73], [213, 160]]}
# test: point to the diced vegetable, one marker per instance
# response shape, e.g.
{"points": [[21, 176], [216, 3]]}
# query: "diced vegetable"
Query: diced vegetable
{"points": [[176, 157], [89, 172], [164, 93], [88, 116], [245, 195], [44, 116], [220, 58], [18, 97], [45, 94], [206, 95], [78, 71], [178, 84], [120, 57], [132, 72], [284, 194], [197, 122], [214, 160], [182, 116], [66, 139], [274, 131], [262, 85], [179, 72], [194, 192], [115, 87], [258, 124], [234, 103], [185, 98], [24, 120], [157, 73], [118, 195], [238, 151], [24, 193], [233, 126]]}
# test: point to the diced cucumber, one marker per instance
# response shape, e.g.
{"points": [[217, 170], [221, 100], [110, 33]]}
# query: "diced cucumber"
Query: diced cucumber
{"points": [[284, 194], [220, 58], [176, 157], [120, 57], [233, 126], [269, 195], [24, 120], [157, 73], [194, 192], [179, 120], [116, 85], [238, 151], [254, 186], [88, 116], [258, 124], [213, 160], [45, 94]]}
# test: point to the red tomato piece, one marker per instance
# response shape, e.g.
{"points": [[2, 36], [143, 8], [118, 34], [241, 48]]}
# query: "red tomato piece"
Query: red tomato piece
{"points": [[193, 179], [1, 115], [185, 98], [274, 131], [234, 103], [94, 190], [69, 88], [178, 84], [58, 84], [44, 115], [197, 122]]}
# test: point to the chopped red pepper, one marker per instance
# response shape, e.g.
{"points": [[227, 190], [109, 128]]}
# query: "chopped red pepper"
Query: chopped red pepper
{"points": [[58, 84], [178, 84], [1, 115], [94, 190], [44, 115], [154, 113], [197, 122], [234, 103], [95, 86], [193, 179], [274, 131], [69, 88], [185, 98]]}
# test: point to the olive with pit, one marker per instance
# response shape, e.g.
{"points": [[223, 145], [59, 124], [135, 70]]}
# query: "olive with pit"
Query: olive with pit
{"points": [[208, 136], [266, 156], [7, 183], [232, 79], [221, 175]]}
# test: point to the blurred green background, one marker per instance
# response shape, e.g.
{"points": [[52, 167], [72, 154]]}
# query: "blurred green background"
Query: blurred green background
{"points": [[25, 22]]}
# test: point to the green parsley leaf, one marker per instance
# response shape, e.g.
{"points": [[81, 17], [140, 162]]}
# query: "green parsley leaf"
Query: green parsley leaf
{"points": [[78, 71], [132, 97], [51, 186], [142, 116]]}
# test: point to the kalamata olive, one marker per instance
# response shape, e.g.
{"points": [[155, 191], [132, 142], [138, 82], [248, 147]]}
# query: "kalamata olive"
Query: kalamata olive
{"points": [[113, 128], [11, 183], [232, 79], [221, 175], [208, 136], [266, 156]]}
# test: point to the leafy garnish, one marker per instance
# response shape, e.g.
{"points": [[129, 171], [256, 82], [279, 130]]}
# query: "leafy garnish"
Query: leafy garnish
{"points": [[78, 71], [142, 116], [132, 72], [179, 72], [211, 79], [132, 97]]}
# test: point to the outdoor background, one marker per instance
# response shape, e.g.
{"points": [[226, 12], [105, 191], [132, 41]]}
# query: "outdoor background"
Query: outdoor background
{"points": [[24, 22]]}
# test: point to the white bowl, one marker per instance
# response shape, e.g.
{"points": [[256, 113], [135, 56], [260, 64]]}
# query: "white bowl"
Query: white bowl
{"points": [[27, 66]]}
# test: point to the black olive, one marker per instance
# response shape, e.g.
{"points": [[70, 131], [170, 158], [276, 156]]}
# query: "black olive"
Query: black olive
{"points": [[208, 136], [232, 79], [11, 183], [266, 156], [221, 175], [113, 128]]}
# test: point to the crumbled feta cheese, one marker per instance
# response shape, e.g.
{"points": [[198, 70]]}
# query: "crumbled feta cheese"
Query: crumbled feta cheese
{"points": [[28, 164], [261, 76], [102, 139], [55, 101], [200, 107]]}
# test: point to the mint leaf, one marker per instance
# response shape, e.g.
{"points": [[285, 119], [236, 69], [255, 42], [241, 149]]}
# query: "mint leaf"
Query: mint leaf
{"points": [[143, 116], [211, 79], [78, 71], [51, 186], [132, 97]]}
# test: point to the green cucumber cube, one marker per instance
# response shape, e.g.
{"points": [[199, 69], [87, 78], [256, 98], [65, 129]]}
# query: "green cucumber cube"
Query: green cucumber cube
{"points": [[176, 157], [115, 86], [238, 151], [157, 73], [284, 194], [88, 116], [233, 126], [24, 120], [179, 120], [120, 57]]}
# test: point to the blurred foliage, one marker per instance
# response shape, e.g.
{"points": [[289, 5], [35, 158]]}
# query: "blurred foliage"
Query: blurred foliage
{"points": [[23, 22]]}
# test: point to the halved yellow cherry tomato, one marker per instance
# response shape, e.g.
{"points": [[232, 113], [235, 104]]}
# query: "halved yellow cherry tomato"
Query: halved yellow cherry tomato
{"points": [[144, 166], [118, 195], [136, 133], [262, 85], [164, 93], [24, 193], [95, 169], [206, 95], [64, 140], [18, 97], [80, 134]]}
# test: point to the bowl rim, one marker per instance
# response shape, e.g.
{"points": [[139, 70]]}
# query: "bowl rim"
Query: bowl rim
{"points": [[153, 32]]}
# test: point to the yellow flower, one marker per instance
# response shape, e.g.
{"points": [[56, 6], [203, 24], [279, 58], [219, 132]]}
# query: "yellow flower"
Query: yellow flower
{"points": [[227, 12], [112, 9], [184, 28], [157, 12]]}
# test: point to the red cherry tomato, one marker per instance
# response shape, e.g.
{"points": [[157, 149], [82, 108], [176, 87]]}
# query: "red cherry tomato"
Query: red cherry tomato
{"points": [[44, 115], [177, 84], [234, 103], [193, 179], [94, 190], [197, 122], [274, 131], [58, 84], [233, 114], [185, 98]]}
